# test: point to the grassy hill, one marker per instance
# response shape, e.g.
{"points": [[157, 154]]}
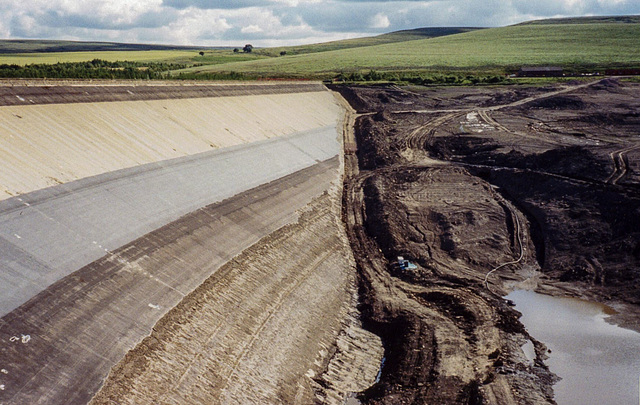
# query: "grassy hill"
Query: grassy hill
{"points": [[580, 46], [392, 37], [27, 52], [626, 19]]}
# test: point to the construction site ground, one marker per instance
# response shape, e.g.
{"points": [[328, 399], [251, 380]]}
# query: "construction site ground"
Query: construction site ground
{"points": [[487, 190], [289, 291]]}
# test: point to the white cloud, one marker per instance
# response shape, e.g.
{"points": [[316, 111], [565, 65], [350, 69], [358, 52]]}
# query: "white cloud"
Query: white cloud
{"points": [[380, 21], [295, 3], [271, 22], [251, 29], [608, 3]]}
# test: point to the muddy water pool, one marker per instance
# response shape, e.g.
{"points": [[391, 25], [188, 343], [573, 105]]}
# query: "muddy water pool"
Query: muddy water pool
{"points": [[599, 363]]}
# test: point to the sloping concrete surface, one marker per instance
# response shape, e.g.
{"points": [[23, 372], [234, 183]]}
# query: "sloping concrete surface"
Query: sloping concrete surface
{"points": [[50, 233], [58, 347], [90, 265], [30, 92], [45, 145]]}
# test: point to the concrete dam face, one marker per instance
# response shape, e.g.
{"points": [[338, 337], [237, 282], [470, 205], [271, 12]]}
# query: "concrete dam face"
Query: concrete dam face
{"points": [[169, 243]]}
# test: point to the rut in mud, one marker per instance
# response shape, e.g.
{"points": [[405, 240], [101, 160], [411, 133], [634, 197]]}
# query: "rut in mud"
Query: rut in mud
{"points": [[500, 185]]}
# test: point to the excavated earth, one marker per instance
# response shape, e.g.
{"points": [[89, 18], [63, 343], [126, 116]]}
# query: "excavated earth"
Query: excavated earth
{"points": [[252, 299], [488, 190]]}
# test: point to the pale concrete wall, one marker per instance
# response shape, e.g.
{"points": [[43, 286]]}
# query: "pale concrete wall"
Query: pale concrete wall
{"points": [[45, 145]]}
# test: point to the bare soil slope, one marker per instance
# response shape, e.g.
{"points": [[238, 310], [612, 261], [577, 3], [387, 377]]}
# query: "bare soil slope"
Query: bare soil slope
{"points": [[252, 332], [485, 189]]}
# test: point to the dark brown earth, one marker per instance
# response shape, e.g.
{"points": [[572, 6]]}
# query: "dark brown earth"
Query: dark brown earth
{"points": [[487, 190]]}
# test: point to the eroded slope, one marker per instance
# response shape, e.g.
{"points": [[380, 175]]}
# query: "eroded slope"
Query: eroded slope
{"points": [[485, 189]]}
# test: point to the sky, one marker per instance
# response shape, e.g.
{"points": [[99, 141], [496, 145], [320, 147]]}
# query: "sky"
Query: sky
{"points": [[265, 23]]}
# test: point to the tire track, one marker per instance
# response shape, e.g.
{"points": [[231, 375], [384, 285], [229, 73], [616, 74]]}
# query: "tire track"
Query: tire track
{"points": [[620, 160]]}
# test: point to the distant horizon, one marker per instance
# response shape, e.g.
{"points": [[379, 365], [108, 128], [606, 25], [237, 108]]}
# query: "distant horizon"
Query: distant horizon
{"points": [[240, 44], [196, 47], [271, 23]]}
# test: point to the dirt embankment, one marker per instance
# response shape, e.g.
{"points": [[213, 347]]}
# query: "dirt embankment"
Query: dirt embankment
{"points": [[262, 329], [484, 189]]}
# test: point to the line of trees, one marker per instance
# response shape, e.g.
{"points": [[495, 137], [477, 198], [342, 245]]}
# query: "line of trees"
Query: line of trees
{"points": [[420, 79], [95, 69], [211, 76]]}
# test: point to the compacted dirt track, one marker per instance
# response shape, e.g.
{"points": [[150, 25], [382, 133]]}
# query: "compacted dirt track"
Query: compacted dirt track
{"points": [[487, 190]]}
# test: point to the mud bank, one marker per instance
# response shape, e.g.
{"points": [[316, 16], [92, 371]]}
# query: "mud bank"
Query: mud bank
{"points": [[486, 189]]}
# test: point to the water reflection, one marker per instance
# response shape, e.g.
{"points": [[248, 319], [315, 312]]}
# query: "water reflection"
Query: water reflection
{"points": [[599, 363]]}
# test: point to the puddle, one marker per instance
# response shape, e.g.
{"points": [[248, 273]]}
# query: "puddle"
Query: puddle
{"points": [[379, 375], [529, 351], [599, 363], [352, 397]]}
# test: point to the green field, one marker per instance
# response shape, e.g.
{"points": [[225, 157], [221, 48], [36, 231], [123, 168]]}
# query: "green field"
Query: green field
{"points": [[628, 19], [573, 46], [576, 44], [24, 52], [168, 56], [41, 46], [392, 37]]}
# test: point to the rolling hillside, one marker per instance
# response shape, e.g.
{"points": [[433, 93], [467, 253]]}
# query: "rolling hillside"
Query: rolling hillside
{"points": [[573, 46], [392, 37], [628, 19], [24, 52], [576, 44]]}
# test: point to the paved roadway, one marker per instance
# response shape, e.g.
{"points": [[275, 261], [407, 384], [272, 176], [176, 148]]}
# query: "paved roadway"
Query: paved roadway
{"points": [[48, 234]]}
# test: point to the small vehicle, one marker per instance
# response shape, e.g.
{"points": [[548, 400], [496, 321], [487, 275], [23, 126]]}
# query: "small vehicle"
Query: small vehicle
{"points": [[405, 264]]}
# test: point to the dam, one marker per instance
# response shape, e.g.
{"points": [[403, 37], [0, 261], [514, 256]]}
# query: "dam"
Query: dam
{"points": [[170, 243]]}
